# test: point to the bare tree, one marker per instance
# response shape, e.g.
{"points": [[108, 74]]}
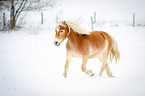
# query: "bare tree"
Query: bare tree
{"points": [[15, 14], [16, 7]]}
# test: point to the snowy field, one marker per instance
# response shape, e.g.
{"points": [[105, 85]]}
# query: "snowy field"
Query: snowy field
{"points": [[30, 65]]}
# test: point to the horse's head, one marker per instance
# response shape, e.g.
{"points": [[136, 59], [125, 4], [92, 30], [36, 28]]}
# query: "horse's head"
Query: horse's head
{"points": [[62, 31]]}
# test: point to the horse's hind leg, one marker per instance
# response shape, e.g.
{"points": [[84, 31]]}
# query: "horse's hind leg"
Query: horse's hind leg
{"points": [[109, 73], [105, 66], [84, 62], [103, 59]]}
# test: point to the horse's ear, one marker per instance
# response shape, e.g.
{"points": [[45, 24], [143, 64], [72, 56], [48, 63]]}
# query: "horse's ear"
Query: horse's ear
{"points": [[64, 22], [56, 21]]}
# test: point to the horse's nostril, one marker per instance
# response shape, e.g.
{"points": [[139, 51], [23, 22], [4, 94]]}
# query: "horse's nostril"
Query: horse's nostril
{"points": [[56, 42]]}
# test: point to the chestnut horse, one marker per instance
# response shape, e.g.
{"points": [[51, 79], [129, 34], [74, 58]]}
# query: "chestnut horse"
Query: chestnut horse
{"points": [[85, 45]]}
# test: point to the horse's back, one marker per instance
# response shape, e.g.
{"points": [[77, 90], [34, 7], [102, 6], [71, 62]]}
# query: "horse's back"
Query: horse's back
{"points": [[99, 37]]}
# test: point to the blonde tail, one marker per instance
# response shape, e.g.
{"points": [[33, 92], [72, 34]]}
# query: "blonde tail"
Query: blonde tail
{"points": [[114, 52]]}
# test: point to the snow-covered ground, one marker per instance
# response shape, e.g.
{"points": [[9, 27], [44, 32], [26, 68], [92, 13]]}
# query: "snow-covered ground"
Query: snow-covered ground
{"points": [[30, 65]]}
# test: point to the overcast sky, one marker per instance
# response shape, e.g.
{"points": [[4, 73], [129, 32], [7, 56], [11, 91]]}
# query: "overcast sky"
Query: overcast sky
{"points": [[103, 6]]}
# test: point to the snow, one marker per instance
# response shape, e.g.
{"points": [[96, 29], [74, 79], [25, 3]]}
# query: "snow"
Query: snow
{"points": [[31, 65]]}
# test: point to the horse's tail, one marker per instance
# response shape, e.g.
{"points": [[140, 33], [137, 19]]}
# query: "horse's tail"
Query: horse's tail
{"points": [[114, 51]]}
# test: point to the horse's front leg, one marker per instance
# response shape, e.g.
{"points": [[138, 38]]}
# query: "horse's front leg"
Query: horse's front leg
{"points": [[84, 62], [68, 59]]}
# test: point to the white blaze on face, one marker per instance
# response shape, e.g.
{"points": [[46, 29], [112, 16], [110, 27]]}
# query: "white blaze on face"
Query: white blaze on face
{"points": [[57, 29], [57, 41]]}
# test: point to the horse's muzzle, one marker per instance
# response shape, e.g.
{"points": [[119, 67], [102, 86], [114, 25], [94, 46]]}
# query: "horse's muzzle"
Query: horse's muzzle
{"points": [[56, 43]]}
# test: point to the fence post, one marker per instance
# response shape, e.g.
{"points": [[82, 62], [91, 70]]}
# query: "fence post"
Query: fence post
{"points": [[41, 17], [57, 18], [4, 23], [92, 23], [133, 19], [94, 17]]}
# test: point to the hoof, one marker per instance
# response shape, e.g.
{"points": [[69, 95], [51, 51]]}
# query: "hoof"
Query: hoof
{"points": [[112, 77], [100, 74], [65, 75], [92, 75]]}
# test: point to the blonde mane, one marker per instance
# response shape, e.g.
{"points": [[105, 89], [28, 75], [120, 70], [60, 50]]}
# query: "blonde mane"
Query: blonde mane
{"points": [[75, 26]]}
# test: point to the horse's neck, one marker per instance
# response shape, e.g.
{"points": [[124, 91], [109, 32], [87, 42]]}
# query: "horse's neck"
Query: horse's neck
{"points": [[74, 38]]}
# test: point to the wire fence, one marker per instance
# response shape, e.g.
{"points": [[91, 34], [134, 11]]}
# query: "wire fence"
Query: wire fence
{"points": [[97, 20]]}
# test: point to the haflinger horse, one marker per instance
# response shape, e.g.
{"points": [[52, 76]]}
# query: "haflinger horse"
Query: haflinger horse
{"points": [[85, 45]]}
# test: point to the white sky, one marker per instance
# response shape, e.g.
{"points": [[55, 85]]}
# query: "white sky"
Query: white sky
{"points": [[104, 6]]}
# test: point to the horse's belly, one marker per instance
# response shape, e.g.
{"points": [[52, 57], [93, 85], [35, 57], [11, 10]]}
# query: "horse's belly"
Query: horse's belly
{"points": [[76, 54], [95, 52], [93, 55]]}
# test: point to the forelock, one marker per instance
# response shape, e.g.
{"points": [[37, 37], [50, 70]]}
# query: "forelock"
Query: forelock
{"points": [[60, 24]]}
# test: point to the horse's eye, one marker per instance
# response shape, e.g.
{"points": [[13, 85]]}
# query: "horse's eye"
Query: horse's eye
{"points": [[61, 31]]}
